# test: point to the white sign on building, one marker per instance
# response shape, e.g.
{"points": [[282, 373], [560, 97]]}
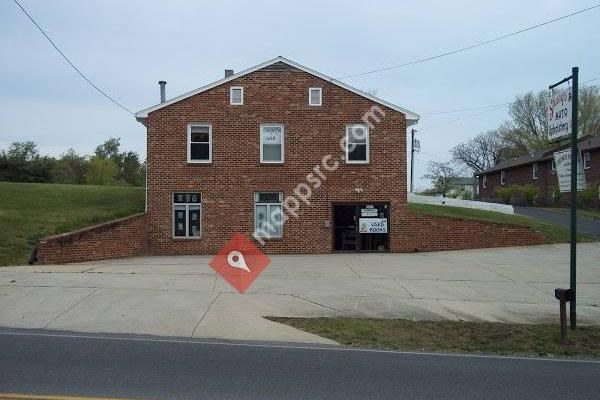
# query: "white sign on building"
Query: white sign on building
{"points": [[372, 225], [562, 159], [559, 113]]}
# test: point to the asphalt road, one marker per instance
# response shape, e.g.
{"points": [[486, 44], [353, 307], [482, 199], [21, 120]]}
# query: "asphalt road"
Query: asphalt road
{"points": [[55, 363], [587, 226]]}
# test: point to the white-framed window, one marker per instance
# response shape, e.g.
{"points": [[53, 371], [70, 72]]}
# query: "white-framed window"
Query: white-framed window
{"points": [[272, 143], [534, 169], [315, 96], [268, 216], [187, 215], [236, 95], [553, 166], [503, 177], [587, 160], [484, 181], [357, 144], [199, 143]]}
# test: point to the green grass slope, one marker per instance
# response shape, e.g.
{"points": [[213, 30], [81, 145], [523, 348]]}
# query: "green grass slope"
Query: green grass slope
{"points": [[552, 233], [30, 211]]}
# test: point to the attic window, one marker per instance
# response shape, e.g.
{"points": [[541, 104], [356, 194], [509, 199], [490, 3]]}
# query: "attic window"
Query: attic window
{"points": [[315, 96], [236, 96]]}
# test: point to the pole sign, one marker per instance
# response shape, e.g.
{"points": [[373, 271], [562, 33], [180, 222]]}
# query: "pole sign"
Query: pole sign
{"points": [[562, 159], [560, 110]]}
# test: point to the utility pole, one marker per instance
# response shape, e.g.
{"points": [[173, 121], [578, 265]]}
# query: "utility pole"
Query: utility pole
{"points": [[574, 171], [412, 159]]}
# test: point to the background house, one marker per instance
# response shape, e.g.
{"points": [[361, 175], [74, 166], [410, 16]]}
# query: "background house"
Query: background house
{"points": [[538, 169]]}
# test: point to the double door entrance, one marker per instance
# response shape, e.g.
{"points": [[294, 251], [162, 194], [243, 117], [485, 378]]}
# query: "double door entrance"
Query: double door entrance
{"points": [[361, 227]]}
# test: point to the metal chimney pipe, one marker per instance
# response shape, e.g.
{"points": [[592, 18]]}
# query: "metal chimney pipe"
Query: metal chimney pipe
{"points": [[228, 73], [162, 91]]}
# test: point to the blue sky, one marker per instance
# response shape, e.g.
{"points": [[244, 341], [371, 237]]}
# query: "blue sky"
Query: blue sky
{"points": [[126, 47]]}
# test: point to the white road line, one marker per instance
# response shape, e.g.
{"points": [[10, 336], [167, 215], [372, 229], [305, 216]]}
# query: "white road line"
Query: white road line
{"points": [[293, 347]]}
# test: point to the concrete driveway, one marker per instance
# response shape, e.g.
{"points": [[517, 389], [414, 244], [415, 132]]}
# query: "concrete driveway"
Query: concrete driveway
{"points": [[182, 296]]}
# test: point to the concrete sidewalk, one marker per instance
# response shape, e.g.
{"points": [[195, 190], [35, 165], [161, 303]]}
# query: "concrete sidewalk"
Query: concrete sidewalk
{"points": [[182, 296]]}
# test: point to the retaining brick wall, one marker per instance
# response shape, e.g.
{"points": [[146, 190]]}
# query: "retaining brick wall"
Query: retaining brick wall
{"points": [[128, 237], [423, 232], [124, 237]]}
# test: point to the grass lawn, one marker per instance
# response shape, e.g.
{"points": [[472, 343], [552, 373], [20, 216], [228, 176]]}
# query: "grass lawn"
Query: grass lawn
{"points": [[552, 233], [453, 336], [30, 211]]}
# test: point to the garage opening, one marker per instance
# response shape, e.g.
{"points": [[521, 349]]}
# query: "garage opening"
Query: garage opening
{"points": [[361, 227]]}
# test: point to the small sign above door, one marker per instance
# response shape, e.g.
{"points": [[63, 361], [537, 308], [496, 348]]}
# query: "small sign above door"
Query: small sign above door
{"points": [[369, 212]]}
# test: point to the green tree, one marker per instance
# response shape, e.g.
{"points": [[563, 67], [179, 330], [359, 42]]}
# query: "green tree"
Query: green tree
{"points": [[70, 168], [442, 176], [101, 171]]}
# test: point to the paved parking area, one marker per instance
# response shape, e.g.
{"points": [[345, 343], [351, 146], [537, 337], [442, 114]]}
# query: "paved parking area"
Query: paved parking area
{"points": [[182, 296]]}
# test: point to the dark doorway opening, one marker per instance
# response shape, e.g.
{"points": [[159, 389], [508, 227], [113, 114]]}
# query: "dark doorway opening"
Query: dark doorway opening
{"points": [[361, 227]]}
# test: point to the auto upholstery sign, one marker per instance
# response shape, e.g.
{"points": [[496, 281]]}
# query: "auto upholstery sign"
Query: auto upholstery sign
{"points": [[559, 113], [372, 225]]}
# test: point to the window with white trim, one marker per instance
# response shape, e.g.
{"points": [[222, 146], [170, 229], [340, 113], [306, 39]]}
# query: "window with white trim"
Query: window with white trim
{"points": [[236, 95], [502, 177], [484, 181], [315, 96], [534, 169], [587, 160], [553, 167], [271, 143], [357, 144], [268, 216], [199, 146], [187, 215]]}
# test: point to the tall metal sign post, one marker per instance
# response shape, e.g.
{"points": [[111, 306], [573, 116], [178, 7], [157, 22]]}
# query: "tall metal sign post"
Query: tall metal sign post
{"points": [[562, 122]]}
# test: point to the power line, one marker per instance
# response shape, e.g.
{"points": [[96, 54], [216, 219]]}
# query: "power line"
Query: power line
{"points": [[487, 108], [103, 93], [478, 44]]}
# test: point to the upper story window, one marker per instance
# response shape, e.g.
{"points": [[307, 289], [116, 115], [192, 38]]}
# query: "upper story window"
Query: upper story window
{"points": [[587, 160], [502, 177], [199, 146], [535, 170], [236, 96], [553, 166], [315, 96], [484, 181], [268, 214], [357, 144], [187, 215], [271, 143]]}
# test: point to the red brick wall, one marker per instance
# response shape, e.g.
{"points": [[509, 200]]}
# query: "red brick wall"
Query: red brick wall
{"points": [[123, 237], [228, 183], [422, 232]]}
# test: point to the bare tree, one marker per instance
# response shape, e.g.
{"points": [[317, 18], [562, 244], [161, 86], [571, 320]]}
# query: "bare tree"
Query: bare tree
{"points": [[481, 152], [442, 176], [589, 110]]}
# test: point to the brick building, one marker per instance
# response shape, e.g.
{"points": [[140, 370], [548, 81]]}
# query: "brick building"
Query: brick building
{"points": [[292, 159], [260, 152], [538, 169]]}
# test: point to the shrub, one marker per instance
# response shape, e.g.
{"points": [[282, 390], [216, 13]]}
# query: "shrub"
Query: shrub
{"points": [[557, 196], [505, 193], [587, 197], [529, 192]]}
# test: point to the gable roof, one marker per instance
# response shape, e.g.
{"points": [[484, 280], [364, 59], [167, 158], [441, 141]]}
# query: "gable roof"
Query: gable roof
{"points": [[411, 117]]}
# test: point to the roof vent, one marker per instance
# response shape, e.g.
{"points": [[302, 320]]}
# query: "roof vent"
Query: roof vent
{"points": [[162, 91], [228, 73]]}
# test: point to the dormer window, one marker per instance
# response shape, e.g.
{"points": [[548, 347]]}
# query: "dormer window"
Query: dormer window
{"points": [[315, 96], [236, 96]]}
